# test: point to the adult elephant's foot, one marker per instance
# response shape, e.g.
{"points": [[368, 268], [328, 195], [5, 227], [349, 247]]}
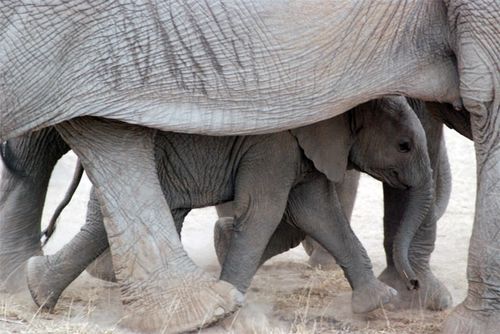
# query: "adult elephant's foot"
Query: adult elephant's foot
{"points": [[371, 296], [178, 304], [102, 267], [44, 283], [431, 294], [466, 321]]}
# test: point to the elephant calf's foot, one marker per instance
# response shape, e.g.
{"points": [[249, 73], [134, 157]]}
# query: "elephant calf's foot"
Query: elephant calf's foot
{"points": [[465, 321], [371, 296], [43, 282], [431, 294], [178, 304]]}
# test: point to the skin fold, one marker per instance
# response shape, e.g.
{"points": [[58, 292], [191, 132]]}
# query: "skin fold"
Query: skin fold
{"points": [[239, 67], [251, 171]]}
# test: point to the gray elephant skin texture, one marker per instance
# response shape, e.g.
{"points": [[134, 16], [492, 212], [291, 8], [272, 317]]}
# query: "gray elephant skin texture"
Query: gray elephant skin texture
{"points": [[240, 67], [432, 294], [267, 176]]}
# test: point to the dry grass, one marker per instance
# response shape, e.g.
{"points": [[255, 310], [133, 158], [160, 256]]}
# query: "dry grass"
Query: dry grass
{"points": [[285, 298], [16, 317], [73, 314]]}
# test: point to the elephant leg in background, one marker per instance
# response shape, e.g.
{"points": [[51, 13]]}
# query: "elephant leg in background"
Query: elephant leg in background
{"points": [[285, 237], [432, 294], [347, 190], [443, 182], [141, 230], [225, 209], [29, 161], [49, 275]]}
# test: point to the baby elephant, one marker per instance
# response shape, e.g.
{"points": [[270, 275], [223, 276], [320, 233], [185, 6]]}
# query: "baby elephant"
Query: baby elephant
{"points": [[287, 174]]}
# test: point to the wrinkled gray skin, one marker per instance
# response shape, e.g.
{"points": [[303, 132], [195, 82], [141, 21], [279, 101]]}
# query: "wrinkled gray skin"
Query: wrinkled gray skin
{"points": [[346, 190], [28, 163], [318, 256], [431, 294], [267, 176], [239, 67]]}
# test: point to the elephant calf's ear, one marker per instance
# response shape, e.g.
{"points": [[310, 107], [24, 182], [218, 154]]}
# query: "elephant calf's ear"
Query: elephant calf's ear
{"points": [[327, 144]]}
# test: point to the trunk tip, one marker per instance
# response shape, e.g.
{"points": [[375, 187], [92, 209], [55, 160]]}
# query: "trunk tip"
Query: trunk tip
{"points": [[413, 284]]}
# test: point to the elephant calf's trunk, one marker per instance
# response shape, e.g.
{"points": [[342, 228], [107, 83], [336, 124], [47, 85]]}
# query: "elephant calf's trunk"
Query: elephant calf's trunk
{"points": [[420, 200]]}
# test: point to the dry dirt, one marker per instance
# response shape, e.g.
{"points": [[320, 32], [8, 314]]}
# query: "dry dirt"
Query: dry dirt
{"points": [[286, 295]]}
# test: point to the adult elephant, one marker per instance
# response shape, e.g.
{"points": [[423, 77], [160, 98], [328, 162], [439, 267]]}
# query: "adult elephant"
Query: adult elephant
{"points": [[238, 67]]}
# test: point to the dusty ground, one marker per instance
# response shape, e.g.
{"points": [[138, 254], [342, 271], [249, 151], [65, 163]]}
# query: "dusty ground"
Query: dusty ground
{"points": [[286, 295]]}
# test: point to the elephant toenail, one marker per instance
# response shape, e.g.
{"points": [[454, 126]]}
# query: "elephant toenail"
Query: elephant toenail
{"points": [[219, 312]]}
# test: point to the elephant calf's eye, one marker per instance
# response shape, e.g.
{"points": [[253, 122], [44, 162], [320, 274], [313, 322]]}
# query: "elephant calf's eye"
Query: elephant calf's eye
{"points": [[404, 147]]}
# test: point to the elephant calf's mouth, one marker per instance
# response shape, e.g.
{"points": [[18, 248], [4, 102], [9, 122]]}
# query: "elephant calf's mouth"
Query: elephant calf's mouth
{"points": [[390, 177]]}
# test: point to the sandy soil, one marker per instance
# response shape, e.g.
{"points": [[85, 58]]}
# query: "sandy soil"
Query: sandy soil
{"points": [[286, 295]]}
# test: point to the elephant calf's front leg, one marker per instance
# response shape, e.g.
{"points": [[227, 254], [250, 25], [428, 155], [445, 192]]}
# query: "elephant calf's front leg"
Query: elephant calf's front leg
{"points": [[314, 207]]}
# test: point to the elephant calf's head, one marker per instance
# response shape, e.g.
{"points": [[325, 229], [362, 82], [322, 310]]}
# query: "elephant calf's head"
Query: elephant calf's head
{"points": [[389, 143], [385, 139]]}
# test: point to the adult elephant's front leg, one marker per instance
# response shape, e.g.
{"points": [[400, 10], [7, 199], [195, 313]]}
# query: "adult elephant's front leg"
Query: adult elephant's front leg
{"points": [[476, 25], [28, 163], [161, 288], [480, 312]]}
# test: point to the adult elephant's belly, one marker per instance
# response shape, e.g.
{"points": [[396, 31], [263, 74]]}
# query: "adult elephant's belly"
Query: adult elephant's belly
{"points": [[222, 118]]}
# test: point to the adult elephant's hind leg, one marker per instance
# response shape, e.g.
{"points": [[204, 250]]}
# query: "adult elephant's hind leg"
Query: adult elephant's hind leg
{"points": [[161, 288], [27, 165]]}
